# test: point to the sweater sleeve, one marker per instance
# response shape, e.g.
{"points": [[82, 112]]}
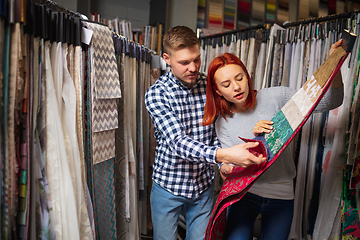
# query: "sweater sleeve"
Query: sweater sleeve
{"points": [[331, 100], [221, 133]]}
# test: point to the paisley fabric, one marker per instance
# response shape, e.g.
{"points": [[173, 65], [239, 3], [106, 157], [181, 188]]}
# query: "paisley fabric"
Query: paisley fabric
{"points": [[290, 118]]}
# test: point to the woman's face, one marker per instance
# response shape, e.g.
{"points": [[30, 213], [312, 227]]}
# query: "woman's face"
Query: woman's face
{"points": [[233, 85]]}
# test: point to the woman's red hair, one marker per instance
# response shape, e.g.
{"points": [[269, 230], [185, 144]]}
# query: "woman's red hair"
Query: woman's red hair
{"points": [[215, 103]]}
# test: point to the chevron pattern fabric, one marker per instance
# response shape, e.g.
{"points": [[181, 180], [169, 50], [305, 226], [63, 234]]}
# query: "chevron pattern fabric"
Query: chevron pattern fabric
{"points": [[105, 88], [287, 123], [103, 146], [106, 72], [104, 121], [104, 114], [104, 78]]}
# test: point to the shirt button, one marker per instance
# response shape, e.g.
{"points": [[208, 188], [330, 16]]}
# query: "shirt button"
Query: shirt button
{"points": [[193, 107]]}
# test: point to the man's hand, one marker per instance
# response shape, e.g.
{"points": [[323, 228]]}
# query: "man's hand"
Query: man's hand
{"points": [[239, 155]]}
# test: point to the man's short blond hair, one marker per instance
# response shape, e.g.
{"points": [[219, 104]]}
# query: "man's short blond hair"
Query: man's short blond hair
{"points": [[179, 37]]}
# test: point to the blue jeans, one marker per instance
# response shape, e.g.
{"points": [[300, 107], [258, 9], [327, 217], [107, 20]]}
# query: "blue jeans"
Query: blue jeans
{"points": [[166, 208], [275, 221]]}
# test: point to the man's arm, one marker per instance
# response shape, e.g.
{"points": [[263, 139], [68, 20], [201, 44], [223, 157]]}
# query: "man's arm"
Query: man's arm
{"points": [[169, 125], [239, 155]]}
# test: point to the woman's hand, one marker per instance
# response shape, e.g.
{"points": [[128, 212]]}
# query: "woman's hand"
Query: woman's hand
{"points": [[225, 170], [263, 126], [334, 46]]}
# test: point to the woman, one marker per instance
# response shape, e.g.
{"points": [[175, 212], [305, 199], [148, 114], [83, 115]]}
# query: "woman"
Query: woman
{"points": [[230, 95]]}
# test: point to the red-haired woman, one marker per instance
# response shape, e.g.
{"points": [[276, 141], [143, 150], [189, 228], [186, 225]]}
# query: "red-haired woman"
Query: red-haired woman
{"points": [[236, 108]]}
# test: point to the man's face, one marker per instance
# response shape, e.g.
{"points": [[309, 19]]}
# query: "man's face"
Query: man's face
{"points": [[184, 64]]}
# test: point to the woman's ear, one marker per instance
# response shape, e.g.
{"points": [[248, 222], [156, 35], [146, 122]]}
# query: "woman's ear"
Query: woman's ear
{"points": [[218, 92]]}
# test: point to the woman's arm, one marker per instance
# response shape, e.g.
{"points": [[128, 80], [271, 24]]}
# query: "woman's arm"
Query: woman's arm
{"points": [[337, 82]]}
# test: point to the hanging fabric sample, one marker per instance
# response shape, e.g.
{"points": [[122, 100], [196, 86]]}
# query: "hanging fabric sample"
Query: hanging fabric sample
{"points": [[25, 226], [145, 59], [286, 59], [215, 14], [103, 88], [106, 90], [57, 167], [121, 164], [78, 82], [290, 120], [229, 14], [271, 11], [254, 48], [201, 12], [283, 11], [258, 11], [13, 111], [44, 203], [275, 76], [260, 64], [244, 13], [72, 146], [270, 54]]}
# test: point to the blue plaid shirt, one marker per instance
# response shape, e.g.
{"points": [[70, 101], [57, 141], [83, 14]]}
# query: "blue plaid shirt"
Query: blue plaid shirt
{"points": [[185, 149]]}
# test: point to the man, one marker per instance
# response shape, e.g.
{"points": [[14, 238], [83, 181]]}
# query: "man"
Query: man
{"points": [[186, 150]]}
